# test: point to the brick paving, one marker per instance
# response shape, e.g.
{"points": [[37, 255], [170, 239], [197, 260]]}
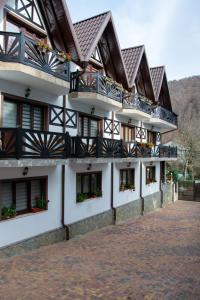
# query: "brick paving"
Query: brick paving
{"points": [[153, 257]]}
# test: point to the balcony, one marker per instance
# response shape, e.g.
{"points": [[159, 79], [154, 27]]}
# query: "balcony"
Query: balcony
{"points": [[23, 62], [164, 119], [24, 144], [137, 107], [98, 147], [96, 90]]}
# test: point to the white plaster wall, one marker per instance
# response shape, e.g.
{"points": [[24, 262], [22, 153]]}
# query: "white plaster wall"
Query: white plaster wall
{"points": [[151, 188], [91, 207], [30, 225], [121, 198]]}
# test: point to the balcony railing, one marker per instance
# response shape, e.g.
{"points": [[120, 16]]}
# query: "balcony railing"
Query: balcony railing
{"points": [[137, 102], [100, 147], [15, 47], [165, 115], [17, 143], [25, 143], [95, 83]]}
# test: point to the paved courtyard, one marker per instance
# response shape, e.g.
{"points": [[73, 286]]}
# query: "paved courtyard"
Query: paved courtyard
{"points": [[154, 257]]}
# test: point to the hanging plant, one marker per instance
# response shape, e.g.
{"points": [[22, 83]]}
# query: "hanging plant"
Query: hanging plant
{"points": [[43, 46], [64, 56]]}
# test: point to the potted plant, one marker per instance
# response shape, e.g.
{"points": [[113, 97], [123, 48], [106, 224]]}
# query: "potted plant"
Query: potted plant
{"points": [[122, 187], [130, 186], [64, 56], [81, 197], [8, 212], [43, 46], [41, 204], [150, 145]]}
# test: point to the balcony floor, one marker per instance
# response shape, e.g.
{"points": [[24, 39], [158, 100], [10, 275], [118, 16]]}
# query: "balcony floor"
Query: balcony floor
{"points": [[96, 100], [31, 77], [163, 125], [44, 162], [135, 114]]}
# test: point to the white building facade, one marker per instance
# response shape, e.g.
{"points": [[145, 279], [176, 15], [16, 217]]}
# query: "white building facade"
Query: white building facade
{"points": [[80, 126]]}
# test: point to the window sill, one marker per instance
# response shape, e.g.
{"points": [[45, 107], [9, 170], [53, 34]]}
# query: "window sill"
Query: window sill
{"points": [[131, 190], [88, 199], [148, 183], [28, 214]]}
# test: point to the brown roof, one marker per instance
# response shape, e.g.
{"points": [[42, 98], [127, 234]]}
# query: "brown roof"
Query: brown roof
{"points": [[59, 26], [132, 57], [157, 74], [90, 32]]}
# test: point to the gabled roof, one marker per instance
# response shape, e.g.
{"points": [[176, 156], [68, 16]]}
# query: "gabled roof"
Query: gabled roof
{"points": [[160, 85], [134, 58], [59, 26], [98, 28], [157, 74]]}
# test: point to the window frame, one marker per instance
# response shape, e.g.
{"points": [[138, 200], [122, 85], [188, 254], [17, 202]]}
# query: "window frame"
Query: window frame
{"points": [[125, 126], [33, 104], [151, 178], [90, 118], [126, 186], [14, 181], [89, 195], [151, 137]]}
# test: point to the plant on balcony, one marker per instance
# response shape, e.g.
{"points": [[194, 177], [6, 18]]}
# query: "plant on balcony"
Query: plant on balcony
{"points": [[143, 145], [150, 145], [64, 56], [111, 81], [8, 212], [43, 46]]}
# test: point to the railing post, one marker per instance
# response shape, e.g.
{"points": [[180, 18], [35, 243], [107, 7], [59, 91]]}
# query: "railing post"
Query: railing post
{"points": [[98, 146], [121, 148], [97, 82], [67, 147], [21, 47], [18, 143]]}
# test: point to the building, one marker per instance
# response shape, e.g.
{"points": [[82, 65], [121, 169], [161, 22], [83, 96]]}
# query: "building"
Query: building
{"points": [[81, 124]]}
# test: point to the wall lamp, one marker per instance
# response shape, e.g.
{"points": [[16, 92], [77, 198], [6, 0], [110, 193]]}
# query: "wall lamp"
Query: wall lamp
{"points": [[27, 92], [25, 171], [89, 167], [92, 110], [129, 121], [128, 164]]}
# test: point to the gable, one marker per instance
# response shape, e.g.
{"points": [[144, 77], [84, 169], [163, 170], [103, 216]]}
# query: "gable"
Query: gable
{"points": [[96, 56]]}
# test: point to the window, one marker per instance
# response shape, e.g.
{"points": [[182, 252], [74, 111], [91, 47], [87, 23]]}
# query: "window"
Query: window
{"points": [[151, 137], [19, 196], [127, 179], [88, 126], [150, 175], [24, 115], [88, 185], [128, 133]]}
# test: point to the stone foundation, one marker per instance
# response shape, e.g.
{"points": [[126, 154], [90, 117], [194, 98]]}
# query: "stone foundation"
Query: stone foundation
{"points": [[44, 239], [167, 189], [152, 202], [91, 223], [128, 211]]}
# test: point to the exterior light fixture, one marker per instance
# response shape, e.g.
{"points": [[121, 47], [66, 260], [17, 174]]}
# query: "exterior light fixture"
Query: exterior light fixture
{"points": [[129, 121], [25, 171], [27, 92], [128, 164], [89, 167], [92, 110]]}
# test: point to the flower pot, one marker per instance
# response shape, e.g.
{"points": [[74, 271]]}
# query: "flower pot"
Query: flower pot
{"points": [[36, 209]]}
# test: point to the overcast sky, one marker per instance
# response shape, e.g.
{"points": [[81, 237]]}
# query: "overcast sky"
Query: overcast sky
{"points": [[170, 29]]}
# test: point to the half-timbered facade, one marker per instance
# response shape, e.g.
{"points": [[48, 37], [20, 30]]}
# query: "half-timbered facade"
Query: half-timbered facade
{"points": [[80, 124]]}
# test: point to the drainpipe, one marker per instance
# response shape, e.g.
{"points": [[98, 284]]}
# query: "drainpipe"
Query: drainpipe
{"points": [[63, 179], [141, 197], [161, 191], [111, 195]]}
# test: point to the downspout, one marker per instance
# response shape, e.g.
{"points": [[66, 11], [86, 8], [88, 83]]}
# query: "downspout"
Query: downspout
{"points": [[63, 179], [112, 177], [141, 197], [161, 191]]}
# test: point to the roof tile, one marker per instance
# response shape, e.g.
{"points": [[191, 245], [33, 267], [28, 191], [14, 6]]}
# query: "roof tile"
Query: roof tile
{"points": [[157, 77]]}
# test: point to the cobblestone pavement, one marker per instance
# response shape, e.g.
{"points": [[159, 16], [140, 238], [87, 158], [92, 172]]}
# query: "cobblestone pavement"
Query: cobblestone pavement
{"points": [[154, 257]]}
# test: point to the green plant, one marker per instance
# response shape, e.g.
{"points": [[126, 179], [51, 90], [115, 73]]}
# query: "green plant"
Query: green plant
{"points": [[41, 202], [64, 56], [130, 186], [97, 193], [81, 197], [8, 212], [41, 44], [122, 187]]}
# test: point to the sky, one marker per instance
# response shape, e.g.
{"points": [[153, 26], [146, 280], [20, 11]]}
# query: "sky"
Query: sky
{"points": [[169, 29]]}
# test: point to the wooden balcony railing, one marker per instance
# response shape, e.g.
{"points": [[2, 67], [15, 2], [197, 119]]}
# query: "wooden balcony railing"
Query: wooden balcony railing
{"points": [[95, 83], [15, 47], [25, 143], [137, 102], [165, 115]]}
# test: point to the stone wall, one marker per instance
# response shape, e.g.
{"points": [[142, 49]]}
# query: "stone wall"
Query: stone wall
{"points": [[91, 223], [44, 239], [152, 202], [128, 211], [167, 189]]}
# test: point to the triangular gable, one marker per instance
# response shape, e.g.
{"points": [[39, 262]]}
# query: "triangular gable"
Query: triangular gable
{"points": [[160, 85], [59, 26], [136, 63], [100, 31]]}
